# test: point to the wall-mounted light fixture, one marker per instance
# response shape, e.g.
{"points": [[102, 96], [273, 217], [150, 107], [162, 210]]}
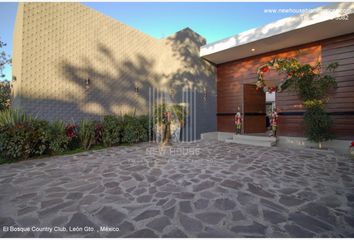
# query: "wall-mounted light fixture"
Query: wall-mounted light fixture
{"points": [[14, 78], [137, 89], [87, 83]]}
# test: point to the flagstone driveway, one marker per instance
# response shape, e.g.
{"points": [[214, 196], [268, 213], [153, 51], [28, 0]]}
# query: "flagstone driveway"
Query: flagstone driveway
{"points": [[201, 189]]}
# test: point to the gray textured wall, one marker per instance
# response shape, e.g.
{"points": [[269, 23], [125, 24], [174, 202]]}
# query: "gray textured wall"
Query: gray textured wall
{"points": [[58, 46]]}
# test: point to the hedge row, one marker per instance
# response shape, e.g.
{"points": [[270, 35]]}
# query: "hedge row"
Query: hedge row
{"points": [[22, 136]]}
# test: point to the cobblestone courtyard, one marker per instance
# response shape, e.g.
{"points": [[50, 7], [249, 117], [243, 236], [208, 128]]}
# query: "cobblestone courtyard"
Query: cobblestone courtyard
{"points": [[227, 190]]}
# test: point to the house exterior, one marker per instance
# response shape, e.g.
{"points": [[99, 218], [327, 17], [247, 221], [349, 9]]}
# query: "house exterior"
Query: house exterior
{"points": [[71, 62], [310, 38]]}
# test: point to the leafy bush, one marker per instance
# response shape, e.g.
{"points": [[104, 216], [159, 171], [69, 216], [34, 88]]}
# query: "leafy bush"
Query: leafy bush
{"points": [[317, 123], [56, 135], [72, 132], [313, 86], [146, 127], [5, 95], [112, 130], [98, 132], [87, 134], [134, 130], [21, 137], [10, 117]]}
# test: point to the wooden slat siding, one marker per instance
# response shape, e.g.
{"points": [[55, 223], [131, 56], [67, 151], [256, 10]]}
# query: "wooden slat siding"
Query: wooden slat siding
{"points": [[338, 49], [226, 124], [341, 50], [232, 75]]}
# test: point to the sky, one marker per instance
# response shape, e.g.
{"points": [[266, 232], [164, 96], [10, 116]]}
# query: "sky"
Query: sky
{"points": [[214, 21]]}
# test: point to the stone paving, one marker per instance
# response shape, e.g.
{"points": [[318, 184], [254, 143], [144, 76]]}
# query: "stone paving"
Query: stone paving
{"points": [[201, 189]]}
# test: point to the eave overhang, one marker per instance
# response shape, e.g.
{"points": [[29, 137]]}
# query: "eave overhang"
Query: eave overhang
{"points": [[324, 23]]}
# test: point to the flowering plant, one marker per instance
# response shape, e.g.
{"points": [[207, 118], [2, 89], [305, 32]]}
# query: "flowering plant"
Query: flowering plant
{"points": [[351, 149], [98, 132], [71, 131], [275, 64]]}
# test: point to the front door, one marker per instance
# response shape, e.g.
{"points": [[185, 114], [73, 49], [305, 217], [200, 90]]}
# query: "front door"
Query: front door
{"points": [[254, 107]]}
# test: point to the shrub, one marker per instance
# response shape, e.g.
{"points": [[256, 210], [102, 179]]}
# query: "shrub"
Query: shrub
{"points": [[56, 135], [71, 131], [112, 130], [11, 118], [5, 95], [87, 134], [317, 124], [134, 130], [98, 133], [147, 128], [21, 137], [313, 84]]}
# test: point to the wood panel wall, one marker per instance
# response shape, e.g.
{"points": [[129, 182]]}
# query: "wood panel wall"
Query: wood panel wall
{"points": [[232, 75], [341, 50]]}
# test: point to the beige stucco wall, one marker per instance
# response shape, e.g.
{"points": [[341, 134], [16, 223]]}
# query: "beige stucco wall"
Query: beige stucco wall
{"points": [[58, 46]]}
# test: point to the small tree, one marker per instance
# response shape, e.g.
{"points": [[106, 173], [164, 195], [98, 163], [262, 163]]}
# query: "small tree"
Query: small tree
{"points": [[5, 95], [317, 122], [160, 115], [5, 89], [312, 83], [181, 114]]}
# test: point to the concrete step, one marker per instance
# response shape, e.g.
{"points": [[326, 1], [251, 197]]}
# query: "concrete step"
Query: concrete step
{"points": [[253, 140], [252, 137]]}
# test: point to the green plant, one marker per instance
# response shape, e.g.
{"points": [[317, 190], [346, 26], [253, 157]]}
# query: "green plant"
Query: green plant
{"points": [[146, 126], [5, 86], [312, 86], [5, 95], [161, 113], [12, 117], [4, 59], [181, 113], [159, 110], [308, 80], [87, 134], [317, 124], [57, 138], [112, 130], [23, 139], [72, 132], [98, 132], [133, 130]]}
